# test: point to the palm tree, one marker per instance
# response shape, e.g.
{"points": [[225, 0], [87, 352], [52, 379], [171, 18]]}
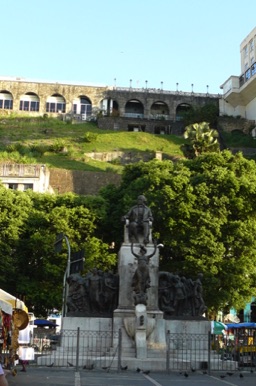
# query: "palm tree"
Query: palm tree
{"points": [[202, 138]]}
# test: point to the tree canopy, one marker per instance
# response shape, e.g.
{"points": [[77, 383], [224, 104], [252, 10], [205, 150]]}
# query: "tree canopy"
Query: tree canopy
{"points": [[204, 214], [29, 223]]}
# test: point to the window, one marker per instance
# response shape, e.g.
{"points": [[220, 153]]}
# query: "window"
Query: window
{"points": [[29, 102], [55, 104], [13, 186], [8, 104], [247, 74], [245, 50], [28, 186], [251, 44], [254, 69], [6, 101]]}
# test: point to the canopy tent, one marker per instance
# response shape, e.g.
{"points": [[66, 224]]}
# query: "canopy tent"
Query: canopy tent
{"points": [[217, 328], [13, 301], [241, 325], [44, 323], [6, 307]]}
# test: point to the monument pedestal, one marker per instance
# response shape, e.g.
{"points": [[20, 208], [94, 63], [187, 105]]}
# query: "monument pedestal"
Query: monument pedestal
{"points": [[127, 265], [142, 326]]}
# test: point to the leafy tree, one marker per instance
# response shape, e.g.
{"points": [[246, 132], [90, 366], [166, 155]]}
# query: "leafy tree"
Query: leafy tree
{"points": [[39, 269], [207, 113], [14, 211], [204, 213]]}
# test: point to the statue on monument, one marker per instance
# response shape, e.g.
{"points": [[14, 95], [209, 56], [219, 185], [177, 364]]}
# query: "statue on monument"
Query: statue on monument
{"points": [[94, 294], [141, 277], [139, 219], [179, 296]]}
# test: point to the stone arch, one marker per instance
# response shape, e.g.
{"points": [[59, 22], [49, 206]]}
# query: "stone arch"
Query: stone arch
{"points": [[181, 109], [6, 100], [159, 110], [115, 109], [134, 109], [82, 105], [29, 102], [55, 104], [109, 107]]}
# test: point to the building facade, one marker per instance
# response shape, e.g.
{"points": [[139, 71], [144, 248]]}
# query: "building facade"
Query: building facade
{"points": [[23, 177], [239, 92], [136, 107]]}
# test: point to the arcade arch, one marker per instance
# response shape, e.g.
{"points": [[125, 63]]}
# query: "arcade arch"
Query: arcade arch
{"points": [[55, 104], [82, 105], [181, 109], [29, 102], [109, 107], [6, 100], [134, 109], [159, 110]]}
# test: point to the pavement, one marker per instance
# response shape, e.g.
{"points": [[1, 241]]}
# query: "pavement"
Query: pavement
{"points": [[44, 376]]}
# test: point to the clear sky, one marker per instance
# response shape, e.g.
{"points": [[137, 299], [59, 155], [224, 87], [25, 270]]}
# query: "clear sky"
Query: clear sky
{"points": [[97, 41]]}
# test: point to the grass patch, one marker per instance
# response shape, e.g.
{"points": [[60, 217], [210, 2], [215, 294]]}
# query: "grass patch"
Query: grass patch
{"points": [[65, 145]]}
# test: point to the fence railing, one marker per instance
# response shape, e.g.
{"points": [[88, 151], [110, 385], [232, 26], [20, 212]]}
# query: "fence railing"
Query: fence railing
{"points": [[103, 350]]}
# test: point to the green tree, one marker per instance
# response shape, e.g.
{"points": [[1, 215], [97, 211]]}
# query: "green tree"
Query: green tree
{"points": [[207, 113], [201, 138], [39, 269], [14, 211], [204, 213]]}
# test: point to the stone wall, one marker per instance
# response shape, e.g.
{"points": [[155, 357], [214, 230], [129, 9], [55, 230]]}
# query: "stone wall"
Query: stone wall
{"points": [[81, 182], [229, 124], [148, 126]]}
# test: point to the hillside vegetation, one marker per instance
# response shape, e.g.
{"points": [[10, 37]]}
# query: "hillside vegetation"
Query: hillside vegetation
{"points": [[67, 146]]}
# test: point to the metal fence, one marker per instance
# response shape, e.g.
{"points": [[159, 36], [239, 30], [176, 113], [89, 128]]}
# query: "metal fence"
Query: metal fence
{"points": [[103, 350], [80, 349]]}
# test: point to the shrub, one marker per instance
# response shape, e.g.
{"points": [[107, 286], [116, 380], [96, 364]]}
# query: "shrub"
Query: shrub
{"points": [[90, 137]]}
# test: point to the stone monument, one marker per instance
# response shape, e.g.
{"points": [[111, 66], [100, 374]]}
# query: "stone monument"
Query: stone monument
{"points": [[140, 301]]}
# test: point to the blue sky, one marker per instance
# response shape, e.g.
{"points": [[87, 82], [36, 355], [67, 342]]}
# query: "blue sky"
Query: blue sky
{"points": [[94, 42]]}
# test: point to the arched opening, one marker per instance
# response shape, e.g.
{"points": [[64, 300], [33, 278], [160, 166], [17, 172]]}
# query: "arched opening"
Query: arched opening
{"points": [[134, 109], [6, 100], [115, 109], [109, 107], [159, 110], [181, 110], [29, 102], [83, 106], [55, 104]]}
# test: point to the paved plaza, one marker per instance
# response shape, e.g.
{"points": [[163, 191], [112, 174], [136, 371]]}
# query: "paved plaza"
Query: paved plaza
{"points": [[44, 376]]}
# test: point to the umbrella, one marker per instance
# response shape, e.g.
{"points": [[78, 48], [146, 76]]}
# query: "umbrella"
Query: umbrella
{"points": [[44, 323], [217, 328]]}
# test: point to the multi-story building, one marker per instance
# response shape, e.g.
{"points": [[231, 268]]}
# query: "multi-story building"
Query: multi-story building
{"points": [[239, 92]]}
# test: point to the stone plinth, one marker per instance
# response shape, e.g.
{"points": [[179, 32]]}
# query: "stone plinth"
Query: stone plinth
{"points": [[127, 265]]}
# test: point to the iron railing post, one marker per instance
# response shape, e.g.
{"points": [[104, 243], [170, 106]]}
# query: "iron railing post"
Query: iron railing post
{"points": [[77, 347], [119, 350], [168, 352], [209, 353]]}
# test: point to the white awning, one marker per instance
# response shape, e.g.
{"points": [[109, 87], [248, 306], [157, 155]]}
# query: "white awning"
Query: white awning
{"points": [[6, 307], [12, 300]]}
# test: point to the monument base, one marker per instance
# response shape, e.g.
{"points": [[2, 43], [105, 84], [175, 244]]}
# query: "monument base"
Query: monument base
{"points": [[152, 346]]}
